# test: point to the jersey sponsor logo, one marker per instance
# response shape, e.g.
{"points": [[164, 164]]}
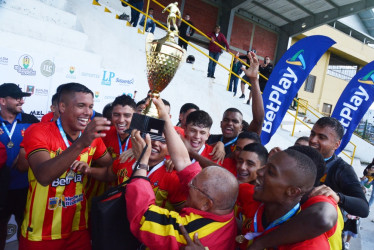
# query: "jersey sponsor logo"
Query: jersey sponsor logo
{"points": [[25, 64], [63, 201], [66, 181]]}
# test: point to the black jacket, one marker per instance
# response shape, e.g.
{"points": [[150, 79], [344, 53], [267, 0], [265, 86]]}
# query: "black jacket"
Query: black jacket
{"points": [[343, 180]]}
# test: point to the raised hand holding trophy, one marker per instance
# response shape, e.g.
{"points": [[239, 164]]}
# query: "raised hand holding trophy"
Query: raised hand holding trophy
{"points": [[163, 59]]}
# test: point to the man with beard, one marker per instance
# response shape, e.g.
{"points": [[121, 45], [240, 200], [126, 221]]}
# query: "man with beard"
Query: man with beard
{"points": [[12, 130]]}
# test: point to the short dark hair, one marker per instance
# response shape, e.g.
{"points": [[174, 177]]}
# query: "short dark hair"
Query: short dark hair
{"points": [[245, 126], [55, 99], [332, 123], [199, 118], [107, 111], [140, 103], [307, 170], [316, 157], [166, 103], [250, 135], [234, 110], [260, 150], [72, 87], [303, 138], [124, 100], [188, 106]]}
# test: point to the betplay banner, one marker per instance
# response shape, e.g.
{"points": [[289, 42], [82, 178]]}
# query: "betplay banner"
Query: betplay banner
{"points": [[355, 100], [286, 79]]}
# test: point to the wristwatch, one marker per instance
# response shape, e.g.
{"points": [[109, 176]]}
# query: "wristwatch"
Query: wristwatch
{"points": [[142, 166]]}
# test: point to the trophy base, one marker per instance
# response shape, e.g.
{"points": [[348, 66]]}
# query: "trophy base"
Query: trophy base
{"points": [[148, 125]]}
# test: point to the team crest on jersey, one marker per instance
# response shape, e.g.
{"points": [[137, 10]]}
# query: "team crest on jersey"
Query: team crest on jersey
{"points": [[247, 223], [23, 132], [233, 147], [53, 203], [123, 173], [155, 184]]}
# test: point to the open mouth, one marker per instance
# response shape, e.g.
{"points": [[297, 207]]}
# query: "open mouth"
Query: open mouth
{"points": [[195, 144], [258, 185], [83, 121], [155, 150], [122, 127]]}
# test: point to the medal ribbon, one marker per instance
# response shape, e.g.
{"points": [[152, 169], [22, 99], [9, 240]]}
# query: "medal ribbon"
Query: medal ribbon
{"points": [[10, 134], [230, 142], [120, 144], [62, 132], [278, 221], [200, 151]]}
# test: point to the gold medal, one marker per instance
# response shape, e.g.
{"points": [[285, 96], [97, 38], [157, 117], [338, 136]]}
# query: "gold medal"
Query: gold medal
{"points": [[10, 144], [70, 175], [240, 239]]}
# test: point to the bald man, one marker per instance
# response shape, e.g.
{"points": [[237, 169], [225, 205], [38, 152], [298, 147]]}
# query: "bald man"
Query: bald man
{"points": [[212, 193]]}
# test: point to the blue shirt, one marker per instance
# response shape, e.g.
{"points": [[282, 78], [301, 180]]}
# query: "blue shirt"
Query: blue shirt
{"points": [[18, 180]]}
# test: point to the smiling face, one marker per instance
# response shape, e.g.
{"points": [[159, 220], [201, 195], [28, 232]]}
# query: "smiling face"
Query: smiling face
{"points": [[121, 118], [196, 136], [324, 139], [75, 112], [247, 165], [273, 180], [240, 144], [158, 152], [12, 105], [231, 124]]}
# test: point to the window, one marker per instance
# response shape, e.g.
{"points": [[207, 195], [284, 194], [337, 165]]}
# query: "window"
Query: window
{"points": [[341, 68], [326, 109], [309, 84]]}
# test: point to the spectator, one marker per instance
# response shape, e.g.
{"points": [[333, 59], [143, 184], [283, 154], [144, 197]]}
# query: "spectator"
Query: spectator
{"points": [[265, 69], [247, 61], [185, 110], [150, 24], [214, 50], [236, 68], [185, 31], [350, 229], [134, 13], [13, 125], [302, 141], [368, 180]]}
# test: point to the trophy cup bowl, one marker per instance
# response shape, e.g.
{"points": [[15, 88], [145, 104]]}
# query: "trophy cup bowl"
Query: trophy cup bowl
{"points": [[163, 60]]}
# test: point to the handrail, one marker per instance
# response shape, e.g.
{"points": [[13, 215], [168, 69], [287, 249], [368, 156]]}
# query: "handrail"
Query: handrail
{"points": [[230, 71]]}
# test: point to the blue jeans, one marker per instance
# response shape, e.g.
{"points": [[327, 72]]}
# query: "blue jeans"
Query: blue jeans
{"points": [[134, 14], [212, 65], [151, 25], [233, 81], [371, 200]]}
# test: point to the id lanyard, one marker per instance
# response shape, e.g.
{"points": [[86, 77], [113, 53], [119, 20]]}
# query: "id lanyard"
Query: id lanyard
{"points": [[10, 134], [62, 132], [251, 236], [120, 144], [230, 142], [200, 151]]}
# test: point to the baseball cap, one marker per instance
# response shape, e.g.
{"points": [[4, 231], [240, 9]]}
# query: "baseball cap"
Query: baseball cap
{"points": [[12, 90]]}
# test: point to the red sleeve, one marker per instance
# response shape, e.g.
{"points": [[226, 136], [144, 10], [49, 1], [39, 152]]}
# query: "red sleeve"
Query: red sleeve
{"points": [[179, 130], [225, 41], [321, 198], [36, 139], [187, 174], [176, 194], [3, 155], [230, 165], [139, 196], [100, 148]]}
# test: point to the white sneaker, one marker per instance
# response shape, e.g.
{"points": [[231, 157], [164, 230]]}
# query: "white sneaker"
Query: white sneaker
{"points": [[346, 245]]}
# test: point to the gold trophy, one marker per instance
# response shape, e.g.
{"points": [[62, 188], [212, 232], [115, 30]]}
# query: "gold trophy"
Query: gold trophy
{"points": [[163, 59]]}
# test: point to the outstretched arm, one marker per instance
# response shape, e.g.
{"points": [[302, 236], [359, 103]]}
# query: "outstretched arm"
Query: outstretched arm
{"points": [[258, 112]]}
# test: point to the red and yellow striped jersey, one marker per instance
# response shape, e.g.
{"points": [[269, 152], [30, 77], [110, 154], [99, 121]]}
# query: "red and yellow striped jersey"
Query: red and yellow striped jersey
{"points": [[165, 185], [111, 142], [54, 211]]}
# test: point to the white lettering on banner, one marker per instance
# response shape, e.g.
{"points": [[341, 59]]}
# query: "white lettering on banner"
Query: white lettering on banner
{"points": [[346, 113], [275, 101]]}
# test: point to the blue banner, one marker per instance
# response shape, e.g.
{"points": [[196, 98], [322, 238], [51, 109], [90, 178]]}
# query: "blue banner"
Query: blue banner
{"points": [[286, 79], [355, 100]]}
